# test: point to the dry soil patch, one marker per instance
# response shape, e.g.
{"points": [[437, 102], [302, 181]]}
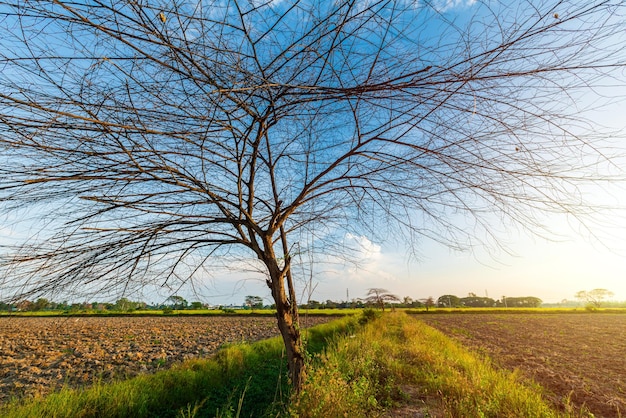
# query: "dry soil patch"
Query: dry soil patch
{"points": [[38, 355], [579, 358]]}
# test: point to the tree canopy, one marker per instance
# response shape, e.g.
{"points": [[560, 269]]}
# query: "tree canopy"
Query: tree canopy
{"points": [[594, 297]]}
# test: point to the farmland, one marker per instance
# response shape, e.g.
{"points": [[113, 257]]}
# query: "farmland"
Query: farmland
{"points": [[578, 358], [39, 354]]}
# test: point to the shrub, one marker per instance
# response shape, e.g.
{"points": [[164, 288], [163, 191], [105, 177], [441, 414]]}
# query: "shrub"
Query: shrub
{"points": [[369, 315]]}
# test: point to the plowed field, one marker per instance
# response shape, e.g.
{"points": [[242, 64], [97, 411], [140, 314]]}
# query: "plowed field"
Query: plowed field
{"points": [[580, 358], [38, 355]]}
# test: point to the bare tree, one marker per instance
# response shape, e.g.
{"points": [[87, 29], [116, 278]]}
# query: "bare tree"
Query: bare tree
{"points": [[379, 297], [142, 142], [594, 297]]}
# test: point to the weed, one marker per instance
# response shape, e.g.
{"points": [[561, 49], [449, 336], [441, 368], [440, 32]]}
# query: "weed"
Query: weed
{"points": [[190, 411], [368, 315]]}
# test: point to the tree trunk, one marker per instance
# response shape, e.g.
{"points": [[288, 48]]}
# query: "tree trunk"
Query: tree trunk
{"points": [[287, 316], [290, 331]]}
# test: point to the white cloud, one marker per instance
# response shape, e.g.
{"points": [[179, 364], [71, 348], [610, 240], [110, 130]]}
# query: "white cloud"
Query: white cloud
{"points": [[361, 248], [447, 5]]}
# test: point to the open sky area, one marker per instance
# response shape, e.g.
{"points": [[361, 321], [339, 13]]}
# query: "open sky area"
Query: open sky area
{"points": [[550, 270], [152, 175]]}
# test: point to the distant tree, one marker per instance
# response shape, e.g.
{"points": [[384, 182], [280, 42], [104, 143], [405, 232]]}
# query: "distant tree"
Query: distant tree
{"points": [[594, 297], [429, 302], [407, 301], [477, 301], [330, 304], [177, 302], [196, 305], [448, 301], [25, 305], [356, 303], [379, 297], [520, 302], [254, 302], [75, 307], [41, 304], [417, 304], [124, 305], [313, 304]]}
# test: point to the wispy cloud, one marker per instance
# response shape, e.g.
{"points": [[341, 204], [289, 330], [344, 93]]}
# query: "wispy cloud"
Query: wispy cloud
{"points": [[447, 5]]}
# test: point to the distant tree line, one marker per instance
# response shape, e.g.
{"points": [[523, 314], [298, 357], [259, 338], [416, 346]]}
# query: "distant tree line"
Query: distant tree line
{"points": [[474, 301], [121, 305], [376, 297]]}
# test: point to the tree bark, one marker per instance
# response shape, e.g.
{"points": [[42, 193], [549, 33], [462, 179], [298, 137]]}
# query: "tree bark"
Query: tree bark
{"points": [[287, 316], [290, 331]]}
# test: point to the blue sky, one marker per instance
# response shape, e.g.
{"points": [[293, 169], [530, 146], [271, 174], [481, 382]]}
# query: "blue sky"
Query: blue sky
{"points": [[572, 258]]}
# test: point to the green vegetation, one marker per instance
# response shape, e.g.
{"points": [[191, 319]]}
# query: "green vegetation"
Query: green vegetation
{"points": [[396, 360], [376, 297], [513, 311], [319, 312], [363, 366]]}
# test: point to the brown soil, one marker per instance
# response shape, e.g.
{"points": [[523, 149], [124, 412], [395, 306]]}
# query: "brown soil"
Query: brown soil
{"points": [[38, 355], [580, 359]]}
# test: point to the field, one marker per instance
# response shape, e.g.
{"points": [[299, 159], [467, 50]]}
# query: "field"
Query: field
{"points": [[39, 354], [579, 358]]}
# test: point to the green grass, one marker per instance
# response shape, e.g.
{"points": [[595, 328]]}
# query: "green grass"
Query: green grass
{"points": [[397, 360]]}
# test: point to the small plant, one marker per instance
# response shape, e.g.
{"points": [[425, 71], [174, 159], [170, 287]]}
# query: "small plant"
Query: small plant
{"points": [[229, 411], [159, 363], [369, 315], [168, 310], [190, 411]]}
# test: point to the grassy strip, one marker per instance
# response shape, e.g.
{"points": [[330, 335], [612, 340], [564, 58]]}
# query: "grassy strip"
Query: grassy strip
{"points": [[579, 310], [397, 360], [241, 380]]}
